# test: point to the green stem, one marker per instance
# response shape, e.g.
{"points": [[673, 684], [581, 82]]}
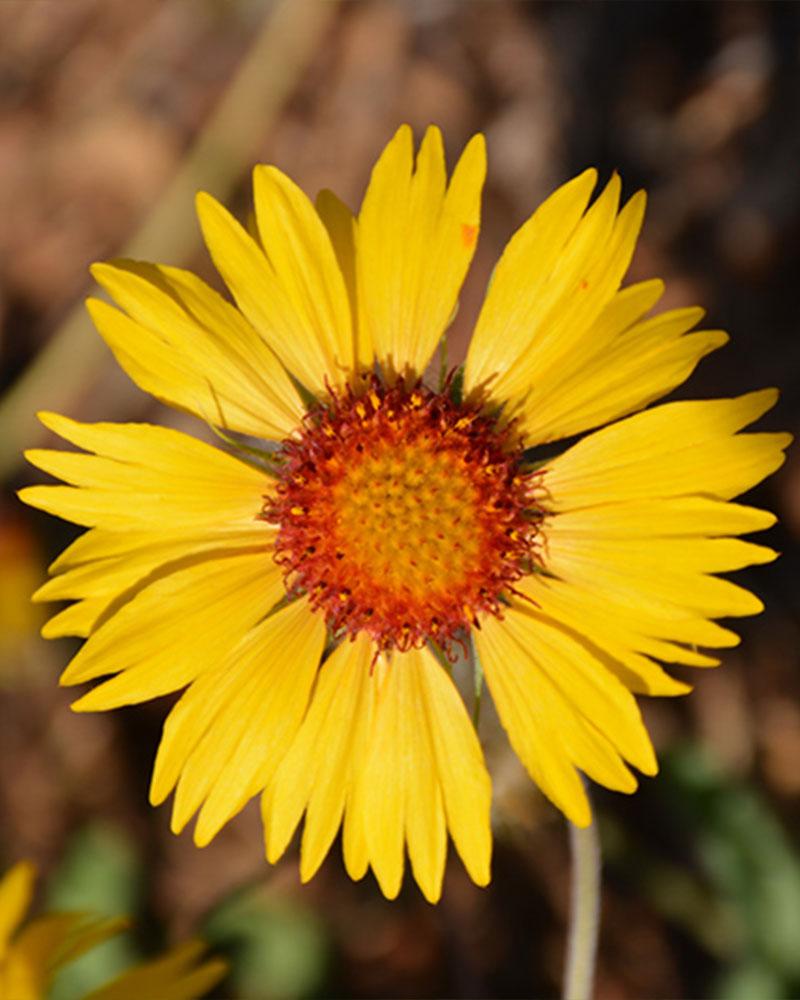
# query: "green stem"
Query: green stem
{"points": [[584, 918]]}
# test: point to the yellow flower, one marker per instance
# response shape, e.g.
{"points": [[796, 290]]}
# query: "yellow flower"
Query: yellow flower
{"points": [[308, 601], [31, 956]]}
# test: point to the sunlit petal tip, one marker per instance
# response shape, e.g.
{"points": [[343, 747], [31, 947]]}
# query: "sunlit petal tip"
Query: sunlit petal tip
{"points": [[158, 792], [403, 134], [34, 456], [309, 865], [28, 495], [578, 811], [647, 762], [476, 146], [613, 189], [205, 202], [433, 135], [71, 675], [274, 847], [178, 823], [586, 179], [204, 833], [758, 402], [103, 272], [763, 520], [96, 309], [431, 892], [51, 420], [390, 885], [480, 871], [637, 203]]}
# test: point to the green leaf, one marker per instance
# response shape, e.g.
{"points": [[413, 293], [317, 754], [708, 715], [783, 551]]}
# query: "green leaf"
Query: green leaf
{"points": [[278, 948], [748, 856]]}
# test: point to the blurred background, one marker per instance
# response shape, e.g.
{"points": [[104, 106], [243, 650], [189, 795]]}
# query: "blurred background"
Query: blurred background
{"points": [[111, 115]]}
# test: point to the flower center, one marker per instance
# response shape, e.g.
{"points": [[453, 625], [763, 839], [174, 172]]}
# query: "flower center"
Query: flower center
{"points": [[403, 515]]}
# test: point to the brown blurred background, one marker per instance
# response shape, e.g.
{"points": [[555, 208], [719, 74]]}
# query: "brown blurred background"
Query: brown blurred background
{"points": [[111, 114]]}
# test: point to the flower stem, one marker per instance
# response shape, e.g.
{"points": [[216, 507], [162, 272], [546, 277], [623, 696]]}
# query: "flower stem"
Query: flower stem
{"points": [[584, 918]]}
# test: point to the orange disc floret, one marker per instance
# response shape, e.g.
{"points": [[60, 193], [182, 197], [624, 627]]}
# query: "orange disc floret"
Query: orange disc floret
{"points": [[403, 514]]}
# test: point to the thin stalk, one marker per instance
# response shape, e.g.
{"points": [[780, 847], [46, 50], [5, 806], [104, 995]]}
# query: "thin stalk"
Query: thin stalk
{"points": [[477, 680], [584, 918]]}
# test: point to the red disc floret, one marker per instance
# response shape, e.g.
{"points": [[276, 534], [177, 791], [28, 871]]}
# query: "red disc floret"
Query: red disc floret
{"points": [[403, 514]]}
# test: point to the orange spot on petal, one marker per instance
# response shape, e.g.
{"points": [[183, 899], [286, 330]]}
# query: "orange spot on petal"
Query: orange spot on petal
{"points": [[468, 235]]}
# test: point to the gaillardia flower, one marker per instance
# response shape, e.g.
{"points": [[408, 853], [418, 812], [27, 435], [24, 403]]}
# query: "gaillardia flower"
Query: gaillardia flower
{"points": [[309, 594]]}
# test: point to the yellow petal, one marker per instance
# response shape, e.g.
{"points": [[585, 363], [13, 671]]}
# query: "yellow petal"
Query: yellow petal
{"points": [[382, 778], [561, 707], [341, 226], [183, 343], [267, 294], [670, 517], [140, 553], [425, 827], [103, 568], [652, 585], [318, 782], [640, 366], [50, 942], [16, 893], [679, 448], [633, 579], [462, 775], [423, 766], [415, 241], [402, 763], [532, 730], [229, 731], [165, 636], [78, 619], [541, 308], [504, 329], [299, 250], [628, 641], [176, 480], [178, 975]]}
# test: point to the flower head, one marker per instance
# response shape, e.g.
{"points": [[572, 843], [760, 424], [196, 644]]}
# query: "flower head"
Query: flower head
{"points": [[308, 595]]}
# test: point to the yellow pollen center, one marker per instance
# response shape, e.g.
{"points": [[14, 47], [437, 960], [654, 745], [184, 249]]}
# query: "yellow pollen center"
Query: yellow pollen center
{"points": [[407, 518]]}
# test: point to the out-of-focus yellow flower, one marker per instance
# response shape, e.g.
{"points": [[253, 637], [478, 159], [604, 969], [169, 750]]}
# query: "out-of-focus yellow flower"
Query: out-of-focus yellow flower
{"points": [[32, 953], [307, 602], [178, 975]]}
